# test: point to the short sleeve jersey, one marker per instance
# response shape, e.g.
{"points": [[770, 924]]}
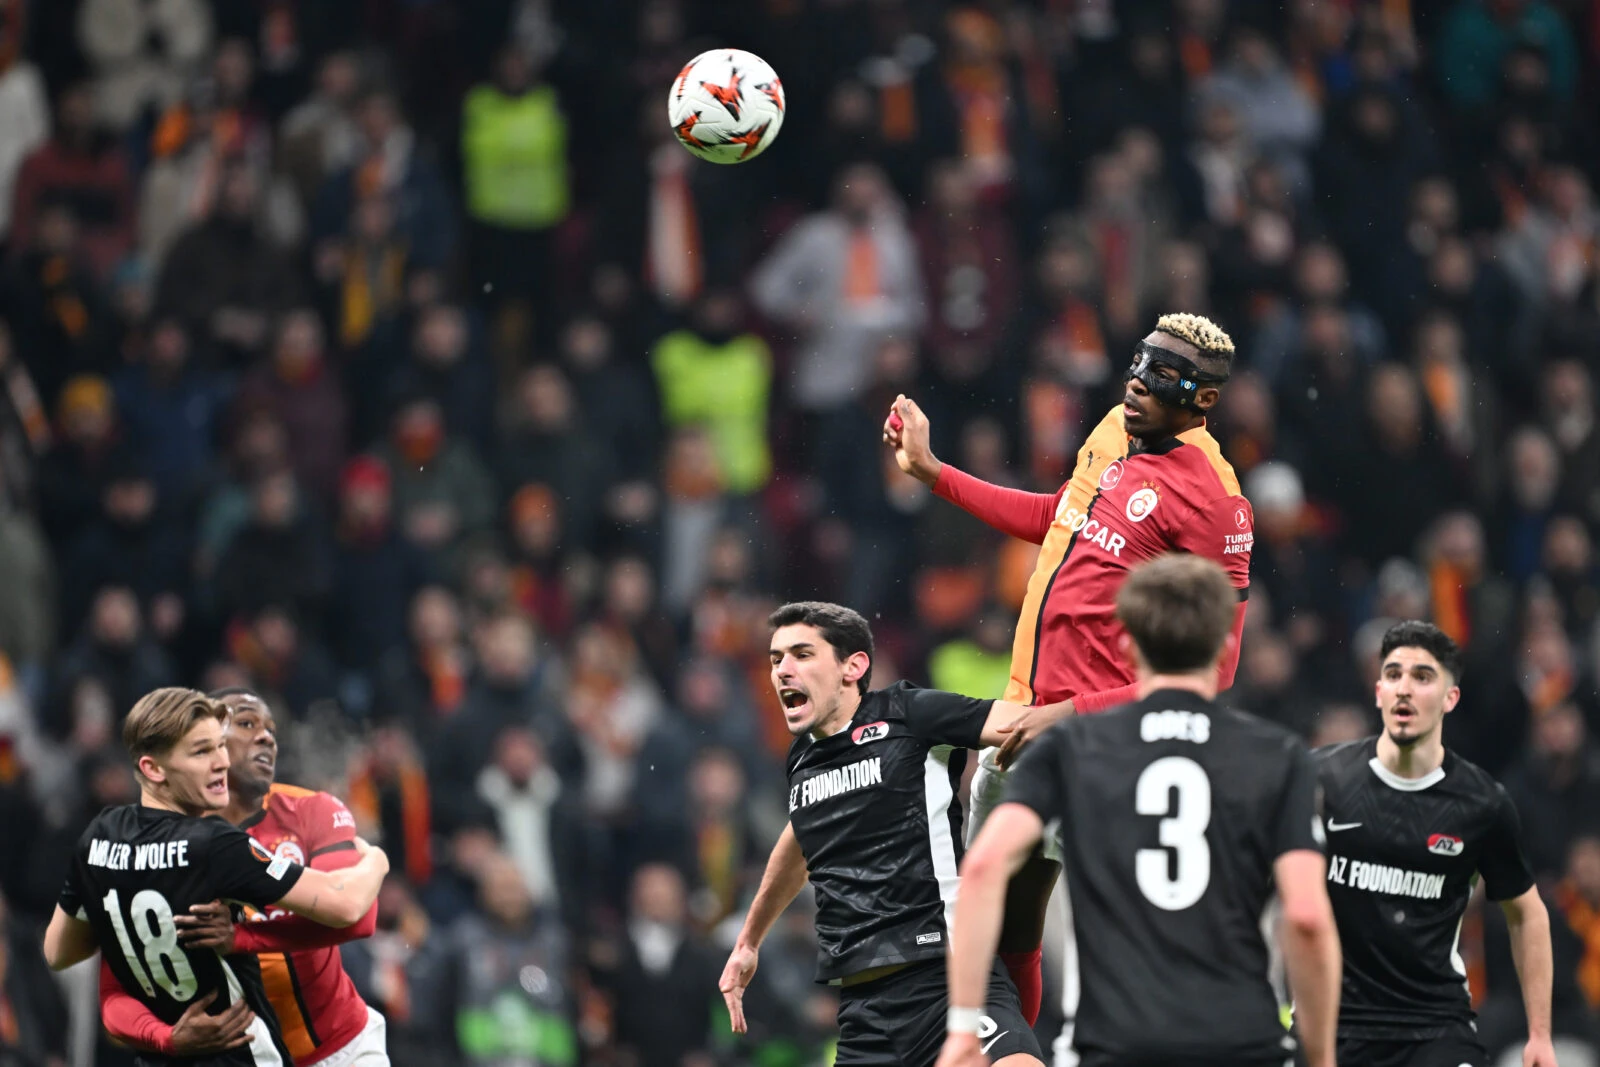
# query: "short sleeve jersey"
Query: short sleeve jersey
{"points": [[317, 1005], [1118, 510], [1172, 812], [875, 811], [1403, 857], [135, 868]]}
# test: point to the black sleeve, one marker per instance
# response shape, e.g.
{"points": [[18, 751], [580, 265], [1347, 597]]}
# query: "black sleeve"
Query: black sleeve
{"points": [[945, 718], [1299, 813], [242, 870], [1504, 867], [1035, 779]]}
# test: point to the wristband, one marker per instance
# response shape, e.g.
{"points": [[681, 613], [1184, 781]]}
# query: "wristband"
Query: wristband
{"points": [[963, 1020]]}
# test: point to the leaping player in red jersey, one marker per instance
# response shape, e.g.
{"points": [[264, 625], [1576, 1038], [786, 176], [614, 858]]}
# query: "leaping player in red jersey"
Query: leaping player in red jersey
{"points": [[317, 1005], [1150, 479]]}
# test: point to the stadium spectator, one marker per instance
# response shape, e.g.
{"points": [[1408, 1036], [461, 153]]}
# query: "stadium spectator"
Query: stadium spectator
{"points": [[262, 425]]}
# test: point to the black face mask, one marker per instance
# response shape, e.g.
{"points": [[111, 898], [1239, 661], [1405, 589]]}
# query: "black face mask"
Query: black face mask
{"points": [[1180, 393]]}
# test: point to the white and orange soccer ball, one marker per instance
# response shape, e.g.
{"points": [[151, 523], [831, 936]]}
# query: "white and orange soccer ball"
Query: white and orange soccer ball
{"points": [[726, 106]]}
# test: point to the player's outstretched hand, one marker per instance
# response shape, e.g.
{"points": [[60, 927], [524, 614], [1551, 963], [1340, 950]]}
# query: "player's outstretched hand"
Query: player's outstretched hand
{"points": [[198, 1034], [735, 978], [206, 926], [1026, 727], [962, 1050], [906, 431], [1538, 1052]]}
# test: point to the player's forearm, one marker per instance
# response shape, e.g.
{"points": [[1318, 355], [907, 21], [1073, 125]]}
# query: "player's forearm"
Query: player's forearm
{"points": [[1529, 926], [1089, 703], [339, 898], [979, 908], [1312, 957], [1023, 515], [782, 881], [296, 933], [129, 1021]]}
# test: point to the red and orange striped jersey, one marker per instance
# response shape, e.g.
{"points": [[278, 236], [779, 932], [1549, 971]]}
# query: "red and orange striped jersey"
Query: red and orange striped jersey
{"points": [[317, 1005], [1115, 512]]}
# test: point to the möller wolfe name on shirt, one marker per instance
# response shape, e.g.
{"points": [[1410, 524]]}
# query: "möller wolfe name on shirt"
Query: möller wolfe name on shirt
{"points": [[832, 783]]}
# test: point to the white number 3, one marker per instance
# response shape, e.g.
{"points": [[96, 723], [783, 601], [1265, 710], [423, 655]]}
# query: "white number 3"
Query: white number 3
{"points": [[1175, 876]]}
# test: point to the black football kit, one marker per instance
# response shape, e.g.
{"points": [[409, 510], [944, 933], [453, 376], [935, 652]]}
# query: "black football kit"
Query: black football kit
{"points": [[875, 811]]}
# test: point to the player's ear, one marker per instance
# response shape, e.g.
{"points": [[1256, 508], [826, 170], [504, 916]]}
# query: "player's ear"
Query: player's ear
{"points": [[152, 771], [856, 666], [1206, 399], [1452, 698]]}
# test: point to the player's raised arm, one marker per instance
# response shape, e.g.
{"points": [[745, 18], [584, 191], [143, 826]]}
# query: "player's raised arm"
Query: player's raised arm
{"points": [[1020, 514], [782, 881]]}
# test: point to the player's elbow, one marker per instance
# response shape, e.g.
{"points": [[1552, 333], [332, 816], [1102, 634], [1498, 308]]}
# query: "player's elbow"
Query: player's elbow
{"points": [[983, 866], [1310, 916], [345, 912]]}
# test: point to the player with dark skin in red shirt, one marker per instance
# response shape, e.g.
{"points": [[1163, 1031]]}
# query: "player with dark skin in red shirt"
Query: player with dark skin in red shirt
{"points": [[319, 1011], [1150, 479]]}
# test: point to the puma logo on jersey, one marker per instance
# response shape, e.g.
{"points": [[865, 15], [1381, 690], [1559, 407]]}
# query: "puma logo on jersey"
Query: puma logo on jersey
{"points": [[829, 784], [872, 731], [1093, 530], [1445, 845]]}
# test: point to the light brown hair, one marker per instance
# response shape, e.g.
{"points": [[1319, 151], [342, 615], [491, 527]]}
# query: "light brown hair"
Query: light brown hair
{"points": [[1179, 610], [162, 718]]}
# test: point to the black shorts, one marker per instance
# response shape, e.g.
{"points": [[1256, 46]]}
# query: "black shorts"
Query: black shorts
{"points": [[899, 1020], [1459, 1047]]}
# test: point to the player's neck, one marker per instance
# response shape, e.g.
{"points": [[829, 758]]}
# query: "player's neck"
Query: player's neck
{"points": [[1204, 685], [1416, 760], [241, 807], [849, 704], [149, 799], [1150, 444]]}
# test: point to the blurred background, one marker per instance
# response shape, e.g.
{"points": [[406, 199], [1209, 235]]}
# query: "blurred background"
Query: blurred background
{"points": [[389, 357]]}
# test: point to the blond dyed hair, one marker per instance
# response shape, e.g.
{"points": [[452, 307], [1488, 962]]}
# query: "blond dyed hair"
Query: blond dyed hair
{"points": [[1199, 331], [163, 717]]}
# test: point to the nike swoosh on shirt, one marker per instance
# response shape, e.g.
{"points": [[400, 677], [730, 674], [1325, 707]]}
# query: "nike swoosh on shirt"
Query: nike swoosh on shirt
{"points": [[985, 1049], [1335, 827]]}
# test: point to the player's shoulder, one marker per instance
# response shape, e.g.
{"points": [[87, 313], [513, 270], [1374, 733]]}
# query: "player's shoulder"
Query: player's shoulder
{"points": [[1203, 466], [894, 702], [1253, 729], [1345, 758], [310, 812], [1473, 779]]}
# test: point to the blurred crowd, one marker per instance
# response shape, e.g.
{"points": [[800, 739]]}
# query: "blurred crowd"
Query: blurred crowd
{"points": [[389, 357]]}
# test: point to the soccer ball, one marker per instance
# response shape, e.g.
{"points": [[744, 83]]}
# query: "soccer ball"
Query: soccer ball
{"points": [[726, 106]]}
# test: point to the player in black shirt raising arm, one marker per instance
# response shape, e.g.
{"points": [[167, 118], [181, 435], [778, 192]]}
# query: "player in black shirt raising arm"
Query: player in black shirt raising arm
{"points": [[1411, 828], [1178, 817], [875, 820], [140, 865]]}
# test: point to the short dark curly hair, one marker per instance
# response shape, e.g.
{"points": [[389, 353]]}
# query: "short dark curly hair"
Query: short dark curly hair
{"points": [[1414, 633]]}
